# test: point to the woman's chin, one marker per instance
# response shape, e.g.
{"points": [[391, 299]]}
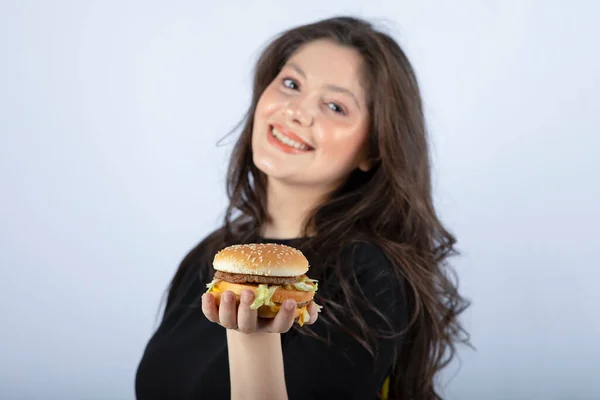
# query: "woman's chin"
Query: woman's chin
{"points": [[275, 174], [271, 167]]}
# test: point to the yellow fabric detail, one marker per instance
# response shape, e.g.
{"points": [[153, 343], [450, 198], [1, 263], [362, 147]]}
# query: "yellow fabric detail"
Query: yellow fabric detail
{"points": [[385, 389]]}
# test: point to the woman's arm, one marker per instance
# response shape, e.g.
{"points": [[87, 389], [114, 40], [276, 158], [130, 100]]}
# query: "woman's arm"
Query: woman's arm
{"points": [[256, 366], [254, 346]]}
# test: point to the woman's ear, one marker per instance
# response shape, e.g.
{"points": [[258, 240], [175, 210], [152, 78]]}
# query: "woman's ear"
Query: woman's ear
{"points": [[367, 163], [368, 159]]}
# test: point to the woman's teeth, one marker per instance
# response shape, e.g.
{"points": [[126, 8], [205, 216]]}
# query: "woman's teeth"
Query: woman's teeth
{"points": [[286, 140]]}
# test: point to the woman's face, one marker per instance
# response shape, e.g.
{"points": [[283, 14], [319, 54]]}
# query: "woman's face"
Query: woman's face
{"points": [[311, 123]]}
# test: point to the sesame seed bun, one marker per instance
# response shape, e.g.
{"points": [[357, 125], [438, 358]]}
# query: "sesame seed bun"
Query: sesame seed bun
{"points": [[266, 259]]}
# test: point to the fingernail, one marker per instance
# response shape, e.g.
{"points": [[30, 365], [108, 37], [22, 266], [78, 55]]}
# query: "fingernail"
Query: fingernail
{"points": [[247, 297], [289, 305], [227, 298]]}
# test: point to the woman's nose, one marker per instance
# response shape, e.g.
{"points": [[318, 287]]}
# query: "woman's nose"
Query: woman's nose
{"points": [[299, 113]]}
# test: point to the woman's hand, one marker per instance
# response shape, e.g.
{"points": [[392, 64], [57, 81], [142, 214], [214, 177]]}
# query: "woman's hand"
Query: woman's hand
{"points": [[243, 319]]}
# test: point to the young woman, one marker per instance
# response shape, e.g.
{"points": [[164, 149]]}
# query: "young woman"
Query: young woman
{"points": [[333, 160]]}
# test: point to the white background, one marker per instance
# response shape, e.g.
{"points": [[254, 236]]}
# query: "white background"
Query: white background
{"points": [[110, 113]]}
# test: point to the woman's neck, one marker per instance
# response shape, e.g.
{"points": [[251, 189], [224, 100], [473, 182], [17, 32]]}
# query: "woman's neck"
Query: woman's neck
{"points": [[288, 207]]}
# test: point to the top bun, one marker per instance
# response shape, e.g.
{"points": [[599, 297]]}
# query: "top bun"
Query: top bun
{"points": [[266, 259]]}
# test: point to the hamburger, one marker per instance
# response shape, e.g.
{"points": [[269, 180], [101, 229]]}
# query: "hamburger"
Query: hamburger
{"points": [[274, 272]]}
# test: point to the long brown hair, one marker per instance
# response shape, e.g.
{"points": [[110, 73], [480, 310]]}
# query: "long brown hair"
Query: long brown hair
{"points": [[389, 206]]}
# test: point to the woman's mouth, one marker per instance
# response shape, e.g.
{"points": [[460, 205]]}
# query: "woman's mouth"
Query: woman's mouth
{"points": [[287, 141]]}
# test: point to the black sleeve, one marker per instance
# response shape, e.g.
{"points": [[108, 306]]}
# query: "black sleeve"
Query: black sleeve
{"points": [[343, 368]]}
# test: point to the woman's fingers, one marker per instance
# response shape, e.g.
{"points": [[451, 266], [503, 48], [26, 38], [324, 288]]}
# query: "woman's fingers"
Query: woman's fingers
{"points": [[209, 307], [228, 310], [247, 318], [284, 319], [244, 319]]}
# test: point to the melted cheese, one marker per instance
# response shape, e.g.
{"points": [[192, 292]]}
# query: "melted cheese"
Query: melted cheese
{"points": [[304, 316], [275, 308]]}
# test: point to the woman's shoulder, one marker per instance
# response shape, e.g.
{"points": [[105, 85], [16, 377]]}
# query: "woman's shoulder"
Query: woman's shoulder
{"points": [[196, 262], [365, 285], [363, 249], [364, 269], [367, 259], [203, 249]]}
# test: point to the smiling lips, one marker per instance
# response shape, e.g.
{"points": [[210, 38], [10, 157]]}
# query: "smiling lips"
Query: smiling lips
{"points": [[287, 141]]}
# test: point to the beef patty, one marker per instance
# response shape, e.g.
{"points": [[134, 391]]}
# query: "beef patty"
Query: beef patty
{"points": [[242, 278]]}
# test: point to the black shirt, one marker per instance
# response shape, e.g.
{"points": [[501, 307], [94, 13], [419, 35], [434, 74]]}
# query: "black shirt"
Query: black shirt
{"points": [[186, 358]]}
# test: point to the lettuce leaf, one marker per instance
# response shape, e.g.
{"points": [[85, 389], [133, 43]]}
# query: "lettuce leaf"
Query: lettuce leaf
{"points": [[305, 287], [263, 296]]}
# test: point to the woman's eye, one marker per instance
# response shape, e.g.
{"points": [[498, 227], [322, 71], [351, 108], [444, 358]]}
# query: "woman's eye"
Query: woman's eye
{"points": [[290, 84], [335, 108]]}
